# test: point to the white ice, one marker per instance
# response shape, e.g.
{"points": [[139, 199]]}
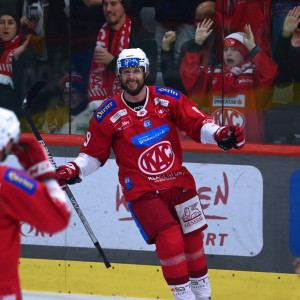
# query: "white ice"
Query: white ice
{"points": [[55, 296]]}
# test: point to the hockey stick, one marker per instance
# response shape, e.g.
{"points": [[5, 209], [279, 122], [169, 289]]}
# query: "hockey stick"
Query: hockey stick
{"points": [[33, 91]]}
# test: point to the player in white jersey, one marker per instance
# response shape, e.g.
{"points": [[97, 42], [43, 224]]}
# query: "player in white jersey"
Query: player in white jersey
{"points": [[140, 125]]}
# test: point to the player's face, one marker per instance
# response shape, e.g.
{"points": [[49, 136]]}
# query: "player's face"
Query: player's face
{"points": [[232, 57], [113, 11], [8, 28], [132, 79]]}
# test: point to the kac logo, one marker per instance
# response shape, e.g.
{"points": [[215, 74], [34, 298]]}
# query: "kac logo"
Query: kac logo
{"points": [[157, 159]]}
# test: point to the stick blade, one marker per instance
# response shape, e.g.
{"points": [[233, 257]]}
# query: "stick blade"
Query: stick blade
{"points": [[32, 92]]}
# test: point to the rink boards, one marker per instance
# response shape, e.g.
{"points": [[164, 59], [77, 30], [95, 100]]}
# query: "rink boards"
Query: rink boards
{"points": [[245, 196]]}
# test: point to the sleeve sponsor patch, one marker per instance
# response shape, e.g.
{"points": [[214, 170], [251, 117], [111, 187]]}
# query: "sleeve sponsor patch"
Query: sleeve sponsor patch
{"points": [[19, 179], [167, 91], [118, 115], [104, 110], [150, 137]]}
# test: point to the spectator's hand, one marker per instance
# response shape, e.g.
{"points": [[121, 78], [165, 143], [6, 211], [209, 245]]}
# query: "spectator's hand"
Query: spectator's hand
{"points": [[22, 48], [291, 21], [295, 42], [102, 56], [249, 38], [24, 21], [168, 39], [90, 3], [203, 31]]}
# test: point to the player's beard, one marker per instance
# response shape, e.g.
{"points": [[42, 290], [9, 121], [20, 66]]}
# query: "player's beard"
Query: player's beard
{"points": [[135, 91]]}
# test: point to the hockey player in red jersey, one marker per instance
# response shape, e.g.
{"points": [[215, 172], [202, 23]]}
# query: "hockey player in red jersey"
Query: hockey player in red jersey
{"points": [[140, 125], [32, 196]]}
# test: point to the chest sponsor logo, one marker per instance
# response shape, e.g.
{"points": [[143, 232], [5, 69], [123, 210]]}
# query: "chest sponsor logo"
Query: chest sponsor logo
{"points": [[169, 92], [118, 115], [231, 117], [245, 81], [162, 102], [104, 110], [236, 101], [26, 184], [157, 159], [150, 137], [124, 123]]}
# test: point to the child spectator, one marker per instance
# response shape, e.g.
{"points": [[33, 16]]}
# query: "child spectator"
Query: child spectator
{"points": [[69, 114], [238, 91]]}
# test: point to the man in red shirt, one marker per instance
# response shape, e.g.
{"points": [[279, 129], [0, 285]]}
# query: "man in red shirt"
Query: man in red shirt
{"points": [[32, 196], [140, 124]]}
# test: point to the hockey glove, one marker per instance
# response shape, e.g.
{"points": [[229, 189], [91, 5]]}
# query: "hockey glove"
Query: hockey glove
{"points": [[230, 136], [69, 173], [33, 158]]}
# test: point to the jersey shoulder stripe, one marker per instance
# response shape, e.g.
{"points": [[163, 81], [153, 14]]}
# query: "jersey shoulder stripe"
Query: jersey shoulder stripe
{"points": [[20, 180], [106, 107], [168, 92]]}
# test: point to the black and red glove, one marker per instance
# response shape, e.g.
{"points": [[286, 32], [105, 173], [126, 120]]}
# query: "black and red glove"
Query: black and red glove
{"points": [[230, 136], [33, 158], [68, 173]]}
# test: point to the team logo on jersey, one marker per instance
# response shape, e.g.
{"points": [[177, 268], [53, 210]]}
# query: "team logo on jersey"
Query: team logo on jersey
{"points": [[230, 117], [157, 159], [104, 109], [150, 137], [169, 92], [20, 180], [142, 112], [162, 102], [147, 124], [161, 111], [118, 115]]}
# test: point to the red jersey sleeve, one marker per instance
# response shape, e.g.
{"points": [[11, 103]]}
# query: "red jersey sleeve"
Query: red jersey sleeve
{"points": [[195, 78], [26, 200], [266, 71], [100, 134], [189, 118]]}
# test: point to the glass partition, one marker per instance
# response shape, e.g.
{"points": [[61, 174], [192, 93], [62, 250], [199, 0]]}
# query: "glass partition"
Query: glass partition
{"points": [[237, 60]]}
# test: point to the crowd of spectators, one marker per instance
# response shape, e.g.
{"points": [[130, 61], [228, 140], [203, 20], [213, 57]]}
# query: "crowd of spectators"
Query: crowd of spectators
{"points": [[189, 44]]}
